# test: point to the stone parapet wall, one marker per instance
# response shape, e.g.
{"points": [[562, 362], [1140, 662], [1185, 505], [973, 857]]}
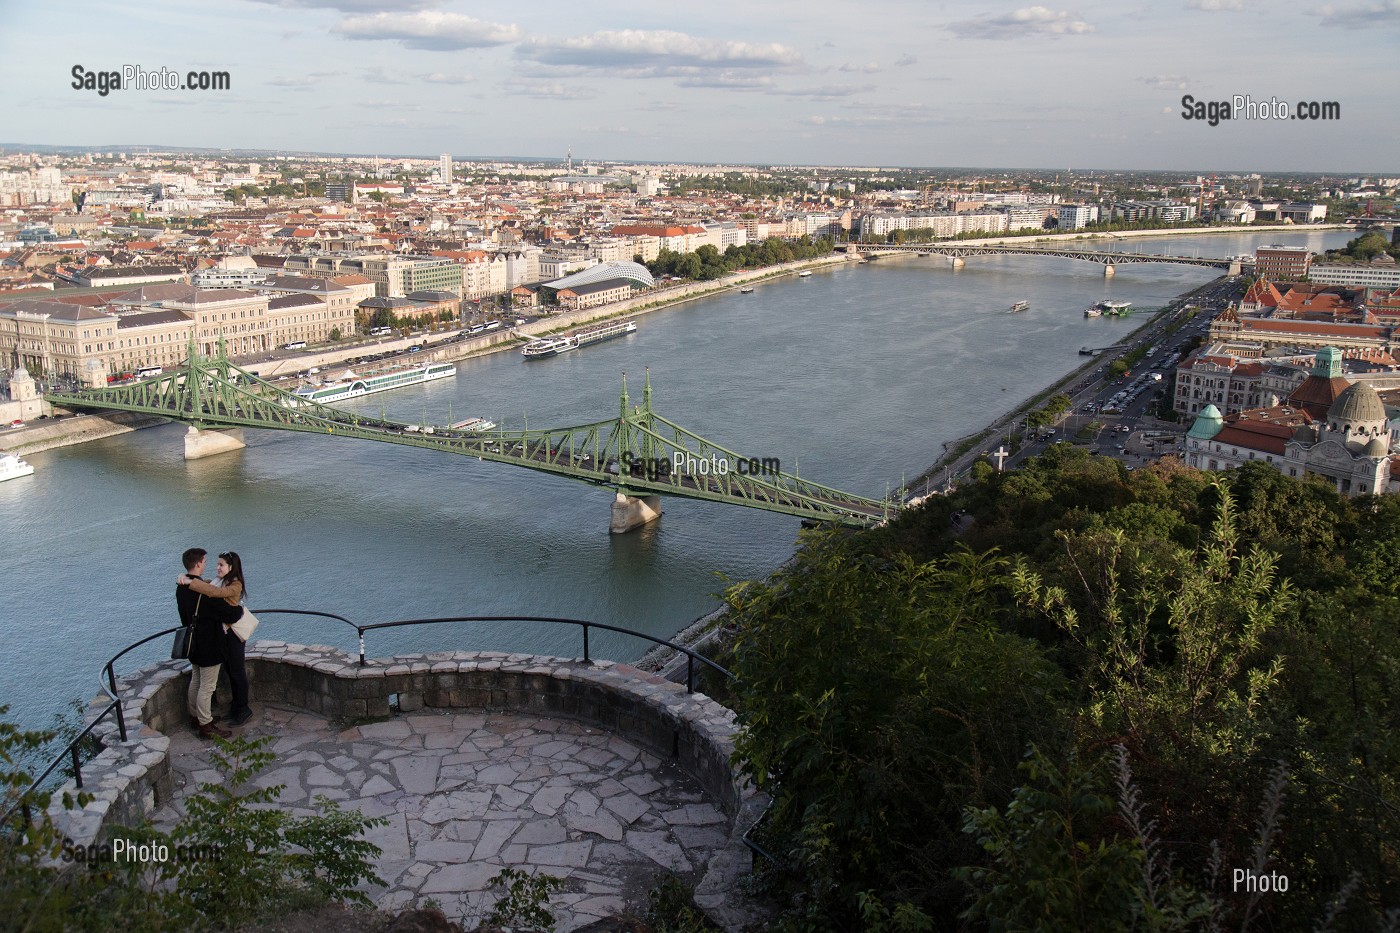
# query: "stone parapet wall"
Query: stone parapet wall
{"points": [[128, 779]]}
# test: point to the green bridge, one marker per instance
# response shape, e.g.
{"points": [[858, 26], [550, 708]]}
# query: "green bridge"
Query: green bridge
{"points": [[632, 453]]}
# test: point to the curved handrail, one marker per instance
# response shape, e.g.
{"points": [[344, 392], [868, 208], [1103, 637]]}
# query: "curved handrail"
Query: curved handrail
{"points": [[691, 656], [109, 684]]}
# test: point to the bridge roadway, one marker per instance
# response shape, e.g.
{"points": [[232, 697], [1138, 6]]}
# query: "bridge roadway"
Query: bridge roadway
{"points": [[1109, 259], [215, 394]]}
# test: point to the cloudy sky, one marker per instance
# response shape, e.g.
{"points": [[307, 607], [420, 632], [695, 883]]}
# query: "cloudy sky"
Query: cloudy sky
{"points": [[860, 82]]}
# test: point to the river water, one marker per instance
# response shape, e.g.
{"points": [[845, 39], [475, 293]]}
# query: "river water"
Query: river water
{"points": [[855, 376]]}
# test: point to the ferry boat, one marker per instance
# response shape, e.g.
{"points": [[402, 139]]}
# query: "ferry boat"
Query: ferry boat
{"points": [[473, 425], [804, 273], [353, 386], [12, 467], [1021, 305], [546, 347], [1111, 308]]}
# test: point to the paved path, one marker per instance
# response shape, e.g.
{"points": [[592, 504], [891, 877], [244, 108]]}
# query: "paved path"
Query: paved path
{"points": [[468, 793]]}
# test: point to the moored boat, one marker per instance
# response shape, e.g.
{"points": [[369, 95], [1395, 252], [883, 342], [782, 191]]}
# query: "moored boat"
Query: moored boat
{"points": [[12, 467], [546, 347], [352, 386], [473, 425], [804, 273], [746, 290]]}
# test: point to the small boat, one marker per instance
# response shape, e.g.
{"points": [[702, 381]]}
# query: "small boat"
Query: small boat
{"points": [[746, 290], [1021, 305], [12, 467], [1085, 351], [1092, 312], [804, 273]]}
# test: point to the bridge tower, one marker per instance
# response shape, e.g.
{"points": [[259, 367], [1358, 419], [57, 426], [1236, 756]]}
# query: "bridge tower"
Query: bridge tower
{"points": [[201, 441], [630, 511]]}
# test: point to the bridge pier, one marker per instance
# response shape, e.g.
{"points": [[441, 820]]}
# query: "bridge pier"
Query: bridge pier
{"points": [[206, 442], [957, 262], [1234, 268], [630, 512], [1108, 270]]}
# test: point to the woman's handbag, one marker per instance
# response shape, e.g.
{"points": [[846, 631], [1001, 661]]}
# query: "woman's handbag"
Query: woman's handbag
{"points": [[245, 625], [184, 639]]}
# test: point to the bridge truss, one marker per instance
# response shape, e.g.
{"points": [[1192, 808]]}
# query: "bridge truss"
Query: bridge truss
{"points": [[625, 453]]}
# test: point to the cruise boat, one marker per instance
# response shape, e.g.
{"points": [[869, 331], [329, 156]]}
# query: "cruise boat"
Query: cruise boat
{"points": [[1111, 308], [352, 386], [1021, 305], [546, 347], [12, 467], [473, 425]]}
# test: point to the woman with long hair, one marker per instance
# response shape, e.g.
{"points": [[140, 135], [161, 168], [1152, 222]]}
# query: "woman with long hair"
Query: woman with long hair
{"points": [[230, 586]]}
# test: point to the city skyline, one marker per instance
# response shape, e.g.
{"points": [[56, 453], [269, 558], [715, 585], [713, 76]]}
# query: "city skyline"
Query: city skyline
{"points": [[1091, 86]]}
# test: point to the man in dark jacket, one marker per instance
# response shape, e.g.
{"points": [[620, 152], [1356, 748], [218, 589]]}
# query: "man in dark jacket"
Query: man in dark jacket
{"points": [[208, 616]]}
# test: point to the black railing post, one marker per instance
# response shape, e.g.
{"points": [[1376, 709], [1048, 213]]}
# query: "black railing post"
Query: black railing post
{"points": [[362, 645], [586, 659], [689, 672], [77, 766], [121, 715]]}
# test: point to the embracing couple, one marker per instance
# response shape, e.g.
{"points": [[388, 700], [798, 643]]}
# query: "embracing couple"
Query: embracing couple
{"points": [[221, 628]]}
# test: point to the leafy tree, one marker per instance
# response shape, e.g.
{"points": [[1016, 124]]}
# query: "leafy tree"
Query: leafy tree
{"points": [[878, 699]]}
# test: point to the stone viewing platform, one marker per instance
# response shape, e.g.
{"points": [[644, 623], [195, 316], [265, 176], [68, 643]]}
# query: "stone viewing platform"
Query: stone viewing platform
{"points": [[593, 772]]}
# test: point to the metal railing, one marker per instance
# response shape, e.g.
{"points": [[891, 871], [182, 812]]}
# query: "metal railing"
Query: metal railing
{"points": [[71, 752]]}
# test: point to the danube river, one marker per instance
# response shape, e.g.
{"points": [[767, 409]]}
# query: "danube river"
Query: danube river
{"points": [[855, 377]]}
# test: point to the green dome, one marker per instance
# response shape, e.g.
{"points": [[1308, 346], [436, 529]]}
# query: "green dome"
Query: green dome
{"points": [[1207, 424]]}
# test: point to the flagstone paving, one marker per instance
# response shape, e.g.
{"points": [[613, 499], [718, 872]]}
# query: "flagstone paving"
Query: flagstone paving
{"points": [[467, 794]]}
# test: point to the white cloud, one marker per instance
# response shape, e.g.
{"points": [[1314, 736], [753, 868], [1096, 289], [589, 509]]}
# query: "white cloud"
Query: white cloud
{"points": [[868, 68], [659, 53], [727, 80], [548, 90], [827, 92], [350, 6], [1029, 22], [429, 30], [1165, 82], [1366, 16], [438, 77], [1216, 6], [904, 61]]}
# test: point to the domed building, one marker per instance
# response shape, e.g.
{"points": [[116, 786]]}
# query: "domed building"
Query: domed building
{"points": [[1349, 445]]}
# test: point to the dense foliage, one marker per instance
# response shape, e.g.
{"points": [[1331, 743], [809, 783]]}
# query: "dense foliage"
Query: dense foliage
{"points": [[248, 860], [1364, 248], [1086, 704], [707, 262]]}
